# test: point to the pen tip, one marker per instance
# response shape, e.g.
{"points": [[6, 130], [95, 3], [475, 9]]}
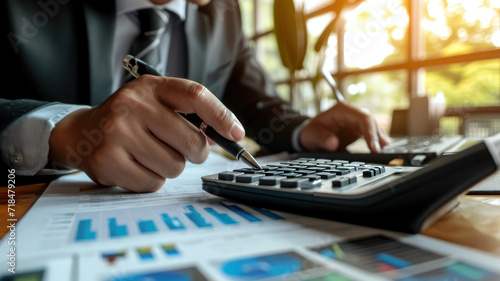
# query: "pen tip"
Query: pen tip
{"points": [[248, 158]]}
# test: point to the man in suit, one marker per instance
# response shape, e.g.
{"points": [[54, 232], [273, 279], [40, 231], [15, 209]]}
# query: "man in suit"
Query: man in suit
{"points": [[65, 55]]}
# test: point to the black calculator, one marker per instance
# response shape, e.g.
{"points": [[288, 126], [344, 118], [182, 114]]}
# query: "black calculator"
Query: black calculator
{"points": [[397, 198]]}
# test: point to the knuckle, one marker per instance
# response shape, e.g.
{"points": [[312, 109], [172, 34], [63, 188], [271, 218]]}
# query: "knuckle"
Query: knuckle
{"points": [[102, 158], [222, 115], [124, 100], [196, 90], [176, 167], [149, 80], [196, 141], [154, 185], [200, 156]]}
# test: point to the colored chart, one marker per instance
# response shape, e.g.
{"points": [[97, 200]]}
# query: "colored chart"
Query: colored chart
{"points": [[259, 267], [458, 271], [187, 274], [377, 253], [92, 226], [84, 231]]}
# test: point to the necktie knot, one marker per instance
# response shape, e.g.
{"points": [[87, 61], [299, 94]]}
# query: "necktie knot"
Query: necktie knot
{"points": [[160, 41], [152, 21]]}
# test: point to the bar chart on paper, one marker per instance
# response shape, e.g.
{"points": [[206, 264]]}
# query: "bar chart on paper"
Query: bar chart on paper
{"points": [[173, 218]]}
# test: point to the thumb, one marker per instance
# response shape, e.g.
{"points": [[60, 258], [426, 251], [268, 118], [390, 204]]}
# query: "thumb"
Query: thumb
{"points": [[316, 137]]}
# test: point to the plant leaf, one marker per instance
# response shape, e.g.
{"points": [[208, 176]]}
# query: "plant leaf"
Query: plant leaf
{"points": [[285, 28], [301, 38]]}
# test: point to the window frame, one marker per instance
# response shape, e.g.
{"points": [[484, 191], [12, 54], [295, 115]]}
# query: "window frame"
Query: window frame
{"points": [[412, 64]]}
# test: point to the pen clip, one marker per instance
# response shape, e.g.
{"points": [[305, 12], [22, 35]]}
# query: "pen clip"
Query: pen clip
{"points": [[130, 64]]}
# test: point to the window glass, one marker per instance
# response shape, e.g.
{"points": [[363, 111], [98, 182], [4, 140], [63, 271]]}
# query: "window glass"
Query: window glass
{"points": [[454, 27], [379, 92], [465, 84], [375, 34]]}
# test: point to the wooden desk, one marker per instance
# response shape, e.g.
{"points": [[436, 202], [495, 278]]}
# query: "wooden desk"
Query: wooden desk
{"points": [[474, 223]]}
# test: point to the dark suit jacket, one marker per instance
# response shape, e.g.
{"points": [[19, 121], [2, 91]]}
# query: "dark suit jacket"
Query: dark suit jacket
{"points": [[62, 51]]}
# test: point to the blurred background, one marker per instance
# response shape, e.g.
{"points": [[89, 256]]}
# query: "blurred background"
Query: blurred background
{"points": [[439, 58]]}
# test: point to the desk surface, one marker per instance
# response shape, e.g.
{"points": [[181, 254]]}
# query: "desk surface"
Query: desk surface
{"points": [[475, 222]]}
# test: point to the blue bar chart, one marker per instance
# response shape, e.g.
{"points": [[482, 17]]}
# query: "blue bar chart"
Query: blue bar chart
{"points": [[196, 217], [84, 231], [116, 230], [239, 211], [224, 218], [147, 226], [110, 224], [172, 223]]}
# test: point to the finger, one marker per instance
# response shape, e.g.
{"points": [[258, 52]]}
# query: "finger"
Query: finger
{"points": [[210, 141], [126, 173], [368, 127], [157, 156], [190, 97], [383, 137], [315, 136], [178, 133]]}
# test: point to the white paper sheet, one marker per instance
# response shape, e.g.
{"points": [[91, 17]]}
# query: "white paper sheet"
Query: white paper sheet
{"points": [[182, 232]]}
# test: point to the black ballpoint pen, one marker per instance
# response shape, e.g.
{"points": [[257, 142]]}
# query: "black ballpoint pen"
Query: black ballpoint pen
{"points": [[138, 67]]}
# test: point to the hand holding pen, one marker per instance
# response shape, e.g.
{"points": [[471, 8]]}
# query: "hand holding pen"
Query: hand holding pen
{"points": [[138, 67], [135, 138]]}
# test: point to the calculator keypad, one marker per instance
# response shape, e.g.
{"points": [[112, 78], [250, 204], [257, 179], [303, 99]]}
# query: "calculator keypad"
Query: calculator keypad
{"points": [[308, 174]]}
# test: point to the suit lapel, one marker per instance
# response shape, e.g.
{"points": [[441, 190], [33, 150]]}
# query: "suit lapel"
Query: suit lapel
{"points": [[100, 24], [198, 30]]}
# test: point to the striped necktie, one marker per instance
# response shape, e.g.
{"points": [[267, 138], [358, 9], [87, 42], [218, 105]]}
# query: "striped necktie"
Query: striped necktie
{"points": [[153, 24]]}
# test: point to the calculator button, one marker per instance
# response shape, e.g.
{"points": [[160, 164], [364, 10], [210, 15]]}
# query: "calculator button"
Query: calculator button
{"points": [[348, 169], [339, 182], [249, 171], [291, 175], [248, 178], [355, 167], [297, 167], [311, 184], [227, 176], [293, 183], [312, 177], [368, 173], [269, 168], [273, 173], [277, 165], [353, 179], [286, 170], [326, 176], [271, 180], [317, 169], [304, 172], [337, 171]]}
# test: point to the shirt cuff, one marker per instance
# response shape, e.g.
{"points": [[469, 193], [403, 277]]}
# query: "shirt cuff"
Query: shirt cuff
{"points": [[295, 136], [25, 143]]}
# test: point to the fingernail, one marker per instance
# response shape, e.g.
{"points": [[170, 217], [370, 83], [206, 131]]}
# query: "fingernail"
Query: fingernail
{"points": [[237, 132]]}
